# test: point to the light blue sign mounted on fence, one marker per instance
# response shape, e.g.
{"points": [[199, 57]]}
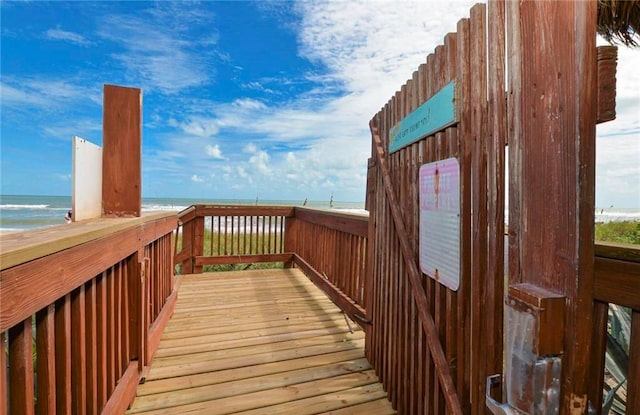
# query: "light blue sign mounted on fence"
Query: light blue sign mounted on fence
{"points": [[437, 113]]}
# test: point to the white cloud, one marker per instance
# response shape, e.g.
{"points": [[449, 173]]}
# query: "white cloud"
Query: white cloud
{"points": [[47, 93], [200, 127], [214, 151], [324, 132], [59, 34], [197, 179], [156, 51]]}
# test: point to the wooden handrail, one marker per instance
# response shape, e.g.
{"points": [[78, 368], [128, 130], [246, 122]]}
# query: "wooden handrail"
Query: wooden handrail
{"points": [[21, 247], [57, 260], [101, 291], [353, 223], [617, 274]]}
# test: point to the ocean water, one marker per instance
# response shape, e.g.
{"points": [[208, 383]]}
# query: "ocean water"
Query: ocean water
{"points": [[18, 213], [31, 212]]}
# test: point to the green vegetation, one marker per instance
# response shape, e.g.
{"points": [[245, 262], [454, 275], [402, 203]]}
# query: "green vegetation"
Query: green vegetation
{"points": [[216, 244], [627, 232]]}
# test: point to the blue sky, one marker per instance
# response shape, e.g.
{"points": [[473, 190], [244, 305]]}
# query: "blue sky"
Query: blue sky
{"points": [[241, 99]]}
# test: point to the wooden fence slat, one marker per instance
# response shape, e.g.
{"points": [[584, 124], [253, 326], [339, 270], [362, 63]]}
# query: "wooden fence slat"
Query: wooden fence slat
{"points": [[112, 375], [92, 346], [495, 185], [463, 96], [453, 405], [63, 355], [46, 360], [101, 339], [78, 352], [479, 279], [21, 368]]}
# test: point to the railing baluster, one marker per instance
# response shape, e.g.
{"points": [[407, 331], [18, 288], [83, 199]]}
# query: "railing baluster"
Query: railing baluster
{"points": [[111, 331], [63, 354], [21, 368], [101, 339], [46, 360], [78, 352], [91, 347]]}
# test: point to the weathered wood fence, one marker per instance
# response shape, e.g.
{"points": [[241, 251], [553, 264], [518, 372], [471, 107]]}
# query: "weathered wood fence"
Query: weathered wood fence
{"points": [[434, 347], [83, 307]]}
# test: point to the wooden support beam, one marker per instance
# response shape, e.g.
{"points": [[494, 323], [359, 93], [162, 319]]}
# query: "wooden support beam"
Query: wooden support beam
{"points": [[122, 152], [437, 354], [552, 115]]}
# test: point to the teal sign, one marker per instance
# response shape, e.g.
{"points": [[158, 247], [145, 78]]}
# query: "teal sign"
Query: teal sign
{"points": [[437, 113]]}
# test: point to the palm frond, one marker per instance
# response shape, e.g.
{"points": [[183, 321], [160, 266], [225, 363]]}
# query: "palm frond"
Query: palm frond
{"points": [[619, 21]]}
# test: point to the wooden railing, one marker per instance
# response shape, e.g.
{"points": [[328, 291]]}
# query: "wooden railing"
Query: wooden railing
{"points": [[616, 281], [328, 246], [97, 294]]}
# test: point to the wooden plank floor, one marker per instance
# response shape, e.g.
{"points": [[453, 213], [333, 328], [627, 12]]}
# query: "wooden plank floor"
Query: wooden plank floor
{"points": [[259, 342]]}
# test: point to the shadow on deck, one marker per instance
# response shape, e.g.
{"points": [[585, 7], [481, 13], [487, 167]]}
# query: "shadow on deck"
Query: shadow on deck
{"points": [[259, 342]]}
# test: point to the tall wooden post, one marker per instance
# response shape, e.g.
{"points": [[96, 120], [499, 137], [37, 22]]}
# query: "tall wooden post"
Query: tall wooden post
{"points": [[552, 117], [122, 152]]}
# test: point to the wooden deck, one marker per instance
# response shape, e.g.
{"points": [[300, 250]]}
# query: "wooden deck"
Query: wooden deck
{"points": [[259, 342]]}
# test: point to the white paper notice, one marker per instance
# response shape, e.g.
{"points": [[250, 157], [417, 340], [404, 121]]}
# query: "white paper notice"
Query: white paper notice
{"points": [[440, 221]]}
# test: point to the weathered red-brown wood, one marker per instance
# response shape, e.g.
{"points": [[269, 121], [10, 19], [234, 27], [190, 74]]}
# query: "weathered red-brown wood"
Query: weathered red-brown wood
{"points": [[78, 352], [497, 133], [479, 278], [63, 355], [244, 210], [444, 376], [156, 329], [21, 396], [126, 311], [607, 64], [198, 241], [465, 145], [617, 282], [112, 373], [46, 361], [71, 271], [101, 339], [121, 151], [553, 105], [124, 392], [242, 259], [91, 315], [353, 310]]}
